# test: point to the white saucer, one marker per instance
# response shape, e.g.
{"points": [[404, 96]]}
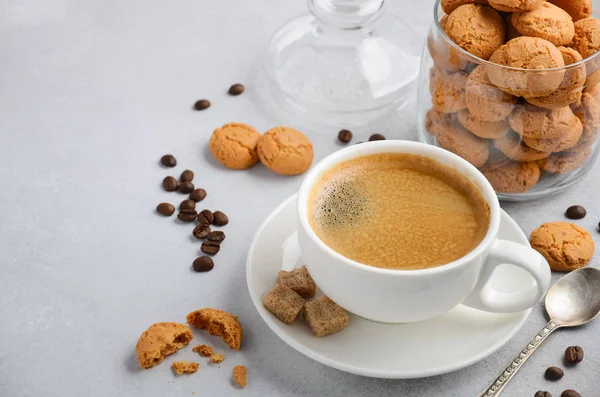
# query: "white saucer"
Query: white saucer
{"points": [[452, 341]]}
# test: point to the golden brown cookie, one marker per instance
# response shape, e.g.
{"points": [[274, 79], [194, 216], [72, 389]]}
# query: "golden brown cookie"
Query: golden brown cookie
{"points": [[450, 5], [514, 148], [484, 100], [285, 151], [219, 323], [526, 53], [548, 22], [587, 37], [515, 5], [185, 367], [483, 129], [563, 162], [477, 29], [449, 92], [540, 123], [565, 246], [160, 340], [511, 176], [589, 114], [433, 118], [454, 138], [234, 145], [569, 90], [577, 9], [559, 144]]}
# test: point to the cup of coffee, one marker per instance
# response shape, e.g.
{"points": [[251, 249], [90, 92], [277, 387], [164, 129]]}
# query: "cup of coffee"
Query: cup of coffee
{"points": [[399, 231]]}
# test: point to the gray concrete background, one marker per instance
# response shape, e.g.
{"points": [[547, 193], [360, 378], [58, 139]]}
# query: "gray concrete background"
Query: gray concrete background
{"points": [[91, 95]]}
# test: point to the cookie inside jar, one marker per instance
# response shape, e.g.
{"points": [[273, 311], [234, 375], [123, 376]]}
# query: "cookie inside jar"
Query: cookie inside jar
{"points": [[514, 88]]}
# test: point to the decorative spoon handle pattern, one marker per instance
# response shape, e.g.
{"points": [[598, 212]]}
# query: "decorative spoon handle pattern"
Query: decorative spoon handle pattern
{"points": [[496, 387]]}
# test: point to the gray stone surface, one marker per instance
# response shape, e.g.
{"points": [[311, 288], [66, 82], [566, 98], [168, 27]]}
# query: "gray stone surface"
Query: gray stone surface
{"points": [[91, 95]]}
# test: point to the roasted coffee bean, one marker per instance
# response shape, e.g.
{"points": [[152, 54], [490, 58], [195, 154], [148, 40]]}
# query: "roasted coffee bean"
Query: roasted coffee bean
{"points": [[205, 217], [165, 209], [236, 89], [198, 195], [205, 264], [573, 354], [187, 215], [201, 231], [376, 137], [187, 176], [345, 136], [570, 393], [217, 236], [554, 373], [575, 212], [202, 104], [186, 187], [187, 205], [168, 160], [210, 247], [220, 219], [170, 184], [542, 393]]}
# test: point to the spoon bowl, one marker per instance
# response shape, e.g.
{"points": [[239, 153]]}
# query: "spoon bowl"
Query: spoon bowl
{"points": [[575, 299]]}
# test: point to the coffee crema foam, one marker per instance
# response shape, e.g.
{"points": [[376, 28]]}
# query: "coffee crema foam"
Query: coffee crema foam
{"points": [[397, 211]]}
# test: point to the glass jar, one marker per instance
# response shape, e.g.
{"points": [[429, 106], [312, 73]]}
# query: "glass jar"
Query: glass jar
{"points": [[531, 132]]}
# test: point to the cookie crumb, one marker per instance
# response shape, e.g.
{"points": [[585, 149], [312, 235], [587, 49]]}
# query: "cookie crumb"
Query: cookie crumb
{"points": [[219, 323], [240, 374], [203, 350], [185, 367], [217, 358]]}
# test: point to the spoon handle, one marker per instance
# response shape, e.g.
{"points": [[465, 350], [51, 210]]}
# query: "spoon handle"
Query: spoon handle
{"points": [[496, 387]]}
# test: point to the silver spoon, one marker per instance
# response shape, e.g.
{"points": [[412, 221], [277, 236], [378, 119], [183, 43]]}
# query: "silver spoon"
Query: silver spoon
{"points": [[574, 300]]}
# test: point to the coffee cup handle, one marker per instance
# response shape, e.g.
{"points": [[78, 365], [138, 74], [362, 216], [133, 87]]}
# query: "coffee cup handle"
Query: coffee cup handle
{"points": [[486, 298]]}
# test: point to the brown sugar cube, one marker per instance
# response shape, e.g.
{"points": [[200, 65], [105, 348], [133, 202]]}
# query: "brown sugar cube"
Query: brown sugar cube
{"points": [[300, 281], [217, 358], [284, 303], [203, 350], [325, 317], [240, 374], [185, 367]]}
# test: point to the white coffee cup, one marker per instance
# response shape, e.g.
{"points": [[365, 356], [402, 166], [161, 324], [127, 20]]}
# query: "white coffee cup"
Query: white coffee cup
{"points": [[400, 296]]}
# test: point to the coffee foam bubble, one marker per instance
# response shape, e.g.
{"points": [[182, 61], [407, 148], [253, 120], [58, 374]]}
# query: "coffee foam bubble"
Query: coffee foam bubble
{"points": [[340, 202]]}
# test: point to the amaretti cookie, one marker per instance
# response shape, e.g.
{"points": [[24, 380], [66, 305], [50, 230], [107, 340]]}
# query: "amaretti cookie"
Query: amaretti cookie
{"points": [[563, 162], [577, 9], [514, 148], [548, 22], [234, 145], [511, 176], [558, 144], [587, 37], [160, 340], [569, 90], [449, 92], [285, 151], [483, 129], [589, 114], [540, 123], [565, 245], [477, 29], [454, 138], [484, 100], [526, 53]]}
